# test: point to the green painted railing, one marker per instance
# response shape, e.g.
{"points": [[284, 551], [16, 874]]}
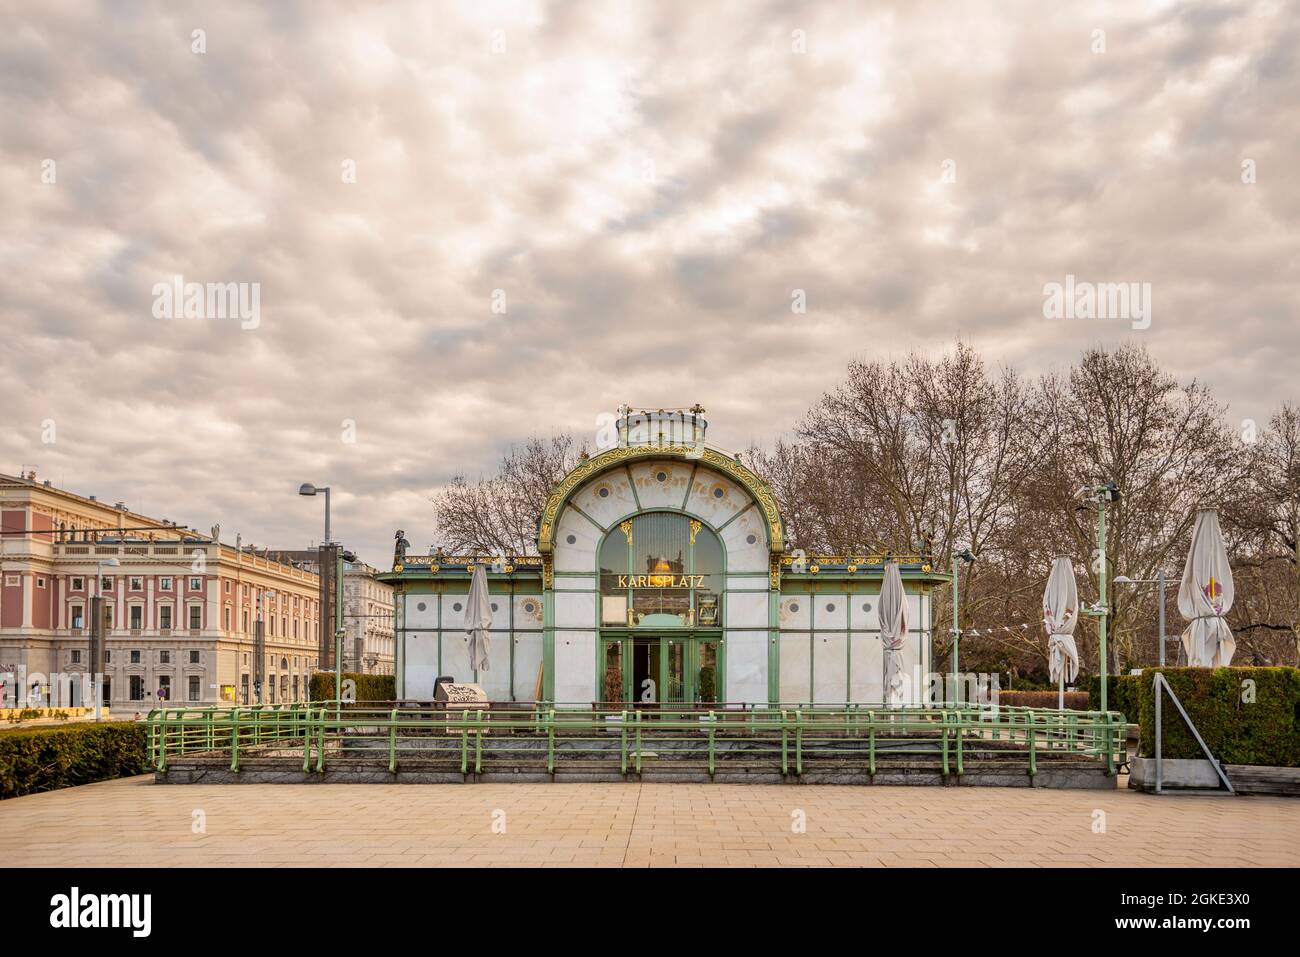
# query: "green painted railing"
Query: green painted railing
{"points": [[512, 737]]}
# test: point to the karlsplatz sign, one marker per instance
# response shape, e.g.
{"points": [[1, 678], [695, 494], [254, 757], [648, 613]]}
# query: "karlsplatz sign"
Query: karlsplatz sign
{"points": [[660, 581]]}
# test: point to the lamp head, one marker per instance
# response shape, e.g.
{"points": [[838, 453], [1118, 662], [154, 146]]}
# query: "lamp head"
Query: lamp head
{"points": [[306, 488]]}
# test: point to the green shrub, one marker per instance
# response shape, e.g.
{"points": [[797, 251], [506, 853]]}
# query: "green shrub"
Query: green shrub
{"points": [[1264, 731], [45, 759], [369, 687], [1074, 700], [613, 684], [1121, 694], [708, 684]]}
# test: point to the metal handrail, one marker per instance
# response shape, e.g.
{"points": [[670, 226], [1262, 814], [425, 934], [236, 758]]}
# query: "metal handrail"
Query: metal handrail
{"points": [[956, 736]]}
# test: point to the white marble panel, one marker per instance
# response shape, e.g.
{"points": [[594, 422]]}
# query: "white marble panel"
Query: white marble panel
{"points": [[528, 612], [496, 680], [747, 667], [421, 617], [867, 672], [421, 664], [866, 611], [796, 670], [746, 542], [575, 609], [661, 483], [455, 656], [528, 657], [576, 541], [715, 498], [575, 667], [831, 612], [793, 611], [830, 667], [607, 497], [746, 610]]}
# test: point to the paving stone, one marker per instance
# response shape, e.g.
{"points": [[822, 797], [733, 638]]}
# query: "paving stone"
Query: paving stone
{"points": [[137, 823]]}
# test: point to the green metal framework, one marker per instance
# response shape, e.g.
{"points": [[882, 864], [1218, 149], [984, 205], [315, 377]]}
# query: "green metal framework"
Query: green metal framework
{"points": [[792, 739]]}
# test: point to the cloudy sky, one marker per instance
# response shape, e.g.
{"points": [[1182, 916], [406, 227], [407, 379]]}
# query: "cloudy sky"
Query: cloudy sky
{"points": [[473, 222]]}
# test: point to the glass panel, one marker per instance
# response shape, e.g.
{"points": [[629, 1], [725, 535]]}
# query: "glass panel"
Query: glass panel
{"points": [[647, 687], [670, 573], [706, 685], [676, 671], [612, 691], [709, 564]]}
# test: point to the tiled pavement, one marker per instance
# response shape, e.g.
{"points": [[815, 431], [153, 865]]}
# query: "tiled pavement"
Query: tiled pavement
{"points": [[134, 822]]}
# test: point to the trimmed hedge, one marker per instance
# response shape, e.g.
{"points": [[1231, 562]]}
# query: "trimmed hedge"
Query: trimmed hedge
{"points": [[369, 687], [1121, 694], [1074, 700], [1265, 731], [45, 759]]}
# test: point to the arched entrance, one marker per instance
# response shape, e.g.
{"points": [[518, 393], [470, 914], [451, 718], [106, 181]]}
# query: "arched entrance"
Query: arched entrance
{"points": [[662, 592]]}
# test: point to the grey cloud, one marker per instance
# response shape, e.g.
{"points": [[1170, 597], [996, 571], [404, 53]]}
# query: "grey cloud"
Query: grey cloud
{"points": [[522, 171]]}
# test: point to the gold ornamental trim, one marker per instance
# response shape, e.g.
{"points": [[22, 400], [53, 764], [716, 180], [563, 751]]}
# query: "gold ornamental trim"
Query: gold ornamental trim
{"points": [[433, 562], [588, 469]]}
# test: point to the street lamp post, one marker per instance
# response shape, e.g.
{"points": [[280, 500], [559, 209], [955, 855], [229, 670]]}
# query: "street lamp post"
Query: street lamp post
{"points": [[1101, 494], [97, 637], [308, 489]]}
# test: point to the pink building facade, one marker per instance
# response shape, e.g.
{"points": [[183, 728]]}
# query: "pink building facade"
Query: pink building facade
{"points": [[181, 609]]}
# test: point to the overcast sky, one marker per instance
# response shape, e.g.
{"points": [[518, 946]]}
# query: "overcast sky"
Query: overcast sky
{"points": [[646, 185]]}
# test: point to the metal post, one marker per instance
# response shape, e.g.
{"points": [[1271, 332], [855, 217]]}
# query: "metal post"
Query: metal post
{"points": [[1160, 578], [338, 622], [96, 653], [259, 650], [956, 627], [1101, 579], [1160, 770]]}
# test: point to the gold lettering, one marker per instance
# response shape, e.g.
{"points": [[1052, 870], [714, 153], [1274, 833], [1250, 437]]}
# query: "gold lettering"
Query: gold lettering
{"points": [[660, 581]]}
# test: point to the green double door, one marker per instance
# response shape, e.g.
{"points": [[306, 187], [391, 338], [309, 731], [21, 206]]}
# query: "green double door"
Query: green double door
{"points": [[663, 668]]}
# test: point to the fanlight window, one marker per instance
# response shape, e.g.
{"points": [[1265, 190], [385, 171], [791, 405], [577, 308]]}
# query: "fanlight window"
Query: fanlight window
{"points": [[661, 569]]}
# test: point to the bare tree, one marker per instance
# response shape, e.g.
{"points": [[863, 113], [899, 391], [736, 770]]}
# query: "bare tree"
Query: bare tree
{"points": [[1117, 416], [935, 454], [498, 515], [1262, 526]]}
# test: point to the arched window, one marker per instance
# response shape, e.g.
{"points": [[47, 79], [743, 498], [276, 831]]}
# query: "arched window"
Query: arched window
{"points": [[661, 569]]}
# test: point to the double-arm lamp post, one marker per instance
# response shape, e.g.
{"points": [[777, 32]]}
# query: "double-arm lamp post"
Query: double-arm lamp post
{"points": [[1101, 494], [966, 556]]}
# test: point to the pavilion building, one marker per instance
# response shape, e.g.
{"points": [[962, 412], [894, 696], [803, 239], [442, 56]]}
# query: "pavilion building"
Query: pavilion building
{"points": [[662, 574]]}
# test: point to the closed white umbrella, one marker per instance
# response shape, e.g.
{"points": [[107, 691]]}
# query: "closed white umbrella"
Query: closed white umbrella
{"points": [[478, 619], [1060, 615], [1205, 596], [893, 632]]}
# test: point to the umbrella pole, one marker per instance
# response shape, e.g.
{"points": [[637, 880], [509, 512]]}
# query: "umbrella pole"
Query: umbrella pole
{"points": [[1060, 689]]}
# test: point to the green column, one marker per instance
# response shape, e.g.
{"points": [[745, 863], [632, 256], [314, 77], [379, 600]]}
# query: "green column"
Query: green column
{"points": [[548, 643], [1101, 593]]}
